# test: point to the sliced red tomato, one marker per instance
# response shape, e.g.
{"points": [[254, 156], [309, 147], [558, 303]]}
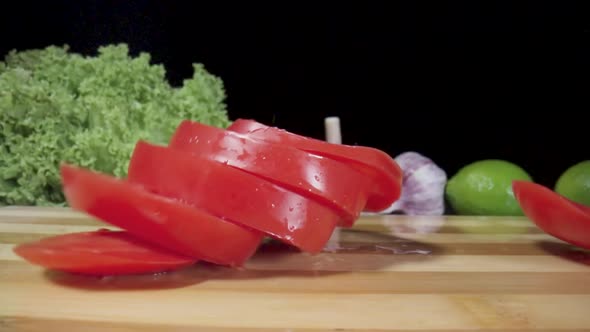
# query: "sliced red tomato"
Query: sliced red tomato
{"points": [[379, 166], [158, 220], [333, 183], [554, 213], [234, 195], [102, 252]]}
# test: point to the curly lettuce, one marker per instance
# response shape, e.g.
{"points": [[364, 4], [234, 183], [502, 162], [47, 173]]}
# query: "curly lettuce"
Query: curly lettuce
{"points": [[59, 106]]}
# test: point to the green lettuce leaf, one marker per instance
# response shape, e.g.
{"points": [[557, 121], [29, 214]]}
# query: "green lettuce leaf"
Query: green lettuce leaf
{"points": [[58, 106]]}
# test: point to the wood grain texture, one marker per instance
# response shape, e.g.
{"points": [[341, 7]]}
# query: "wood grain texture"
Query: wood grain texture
{"points": [[389, 273]]}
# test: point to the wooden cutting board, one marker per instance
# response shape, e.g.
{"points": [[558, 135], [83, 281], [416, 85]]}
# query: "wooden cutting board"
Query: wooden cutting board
{"points": [[389, 273]]}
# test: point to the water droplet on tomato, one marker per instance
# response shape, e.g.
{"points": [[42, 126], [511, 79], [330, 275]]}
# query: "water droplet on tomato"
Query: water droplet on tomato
{"points": [[272, 205]]}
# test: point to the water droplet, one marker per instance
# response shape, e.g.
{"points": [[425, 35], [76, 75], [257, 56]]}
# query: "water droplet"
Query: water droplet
{"points": [[272, 205], [317, 178], [399, 251]]}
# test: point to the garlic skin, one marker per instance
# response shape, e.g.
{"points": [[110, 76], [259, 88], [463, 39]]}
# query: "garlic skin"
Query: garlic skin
{"points": [[423, 186]]}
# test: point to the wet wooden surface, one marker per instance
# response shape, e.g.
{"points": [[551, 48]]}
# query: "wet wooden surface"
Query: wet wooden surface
{"points": [[389, 273]]}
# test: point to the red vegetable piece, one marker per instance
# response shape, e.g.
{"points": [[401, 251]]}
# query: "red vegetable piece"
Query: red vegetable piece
{"points": [[379, 166], [333, 183], [554, 213], [234, 195], [158, 220], [102, 252]]}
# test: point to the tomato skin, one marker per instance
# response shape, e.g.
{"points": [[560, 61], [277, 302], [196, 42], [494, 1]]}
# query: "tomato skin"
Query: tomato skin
{"points": [[379, 166], [554, 213], [158, 220], [333, 183], [234, 195], [100, 253]]}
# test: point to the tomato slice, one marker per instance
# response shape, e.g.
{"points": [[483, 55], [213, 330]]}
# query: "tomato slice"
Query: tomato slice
{"points": [[379, 166], [158, 220], [233, 194], [554, 213], [102, 252], [333, 183]]}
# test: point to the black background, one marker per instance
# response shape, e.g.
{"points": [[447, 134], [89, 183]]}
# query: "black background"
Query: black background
{"points": [[457, 81]]}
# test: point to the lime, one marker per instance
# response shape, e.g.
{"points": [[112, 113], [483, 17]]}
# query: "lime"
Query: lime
{"points": [[485, 188], [574, 183]]}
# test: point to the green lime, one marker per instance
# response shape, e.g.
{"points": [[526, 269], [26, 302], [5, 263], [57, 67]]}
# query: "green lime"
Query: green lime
{"points": [[485, 188], [574, 183]]}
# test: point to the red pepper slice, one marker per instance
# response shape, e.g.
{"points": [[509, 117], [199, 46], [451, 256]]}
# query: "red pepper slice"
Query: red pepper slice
{"points": [[333, 183], [234, 195], [379, 166], [554, 213], [102, 252], [158, 220]]}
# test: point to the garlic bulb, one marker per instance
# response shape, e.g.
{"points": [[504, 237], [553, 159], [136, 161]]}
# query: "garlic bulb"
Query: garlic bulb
{"points": [[423, 186]]}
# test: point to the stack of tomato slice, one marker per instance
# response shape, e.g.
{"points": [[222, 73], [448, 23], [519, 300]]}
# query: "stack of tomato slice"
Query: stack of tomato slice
{"points": [[213, 195]]}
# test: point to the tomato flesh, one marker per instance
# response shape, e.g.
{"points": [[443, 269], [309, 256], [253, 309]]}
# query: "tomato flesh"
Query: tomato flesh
{"points": [[102, 252], [233, 194], [554, 213], [158, 220], [379, 166], [333, 183]]}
